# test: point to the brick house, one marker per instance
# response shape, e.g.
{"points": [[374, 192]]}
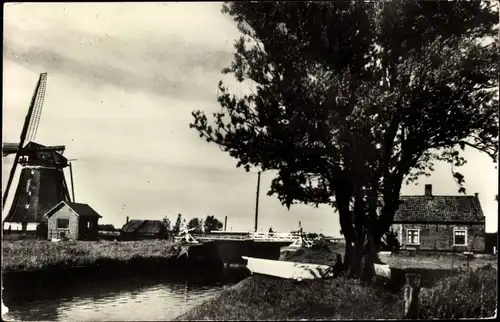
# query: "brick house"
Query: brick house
{"points": [[440, 223]]}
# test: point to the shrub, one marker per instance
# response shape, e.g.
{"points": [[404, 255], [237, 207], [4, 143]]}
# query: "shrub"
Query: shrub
{"points": [[469, 294]]}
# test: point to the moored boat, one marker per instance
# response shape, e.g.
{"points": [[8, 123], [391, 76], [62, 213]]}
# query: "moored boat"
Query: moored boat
{"points": [[300, 271]]}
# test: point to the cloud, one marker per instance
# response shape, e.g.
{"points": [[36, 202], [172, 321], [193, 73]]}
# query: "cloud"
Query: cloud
{"points": [[185, 81]]}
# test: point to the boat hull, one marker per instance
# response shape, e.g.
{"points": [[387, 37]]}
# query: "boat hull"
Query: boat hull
{"points": [[300, 271], [289, 270]]}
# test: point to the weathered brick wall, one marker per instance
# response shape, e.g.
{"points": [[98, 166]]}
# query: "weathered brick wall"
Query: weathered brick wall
{"points": [[440, 236], [64, 213]]}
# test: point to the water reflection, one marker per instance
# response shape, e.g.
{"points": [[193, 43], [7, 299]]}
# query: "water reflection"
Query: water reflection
{"points": [[119, 298]]}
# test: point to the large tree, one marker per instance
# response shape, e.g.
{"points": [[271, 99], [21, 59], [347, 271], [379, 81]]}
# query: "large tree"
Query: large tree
{"points": [[211, 223], [196, 225], [178, 226], [353, 98]]}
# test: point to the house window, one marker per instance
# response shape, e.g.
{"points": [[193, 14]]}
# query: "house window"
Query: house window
{"points": [[413, 236], [62, 223], [459, 237], [88, 224]]}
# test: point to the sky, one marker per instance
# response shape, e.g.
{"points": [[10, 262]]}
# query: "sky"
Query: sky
{"points": [[123, 79]]}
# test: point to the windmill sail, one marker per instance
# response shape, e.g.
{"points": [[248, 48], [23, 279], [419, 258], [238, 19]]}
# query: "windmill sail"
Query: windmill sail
{"points": [[37, 109], [38, 94]]}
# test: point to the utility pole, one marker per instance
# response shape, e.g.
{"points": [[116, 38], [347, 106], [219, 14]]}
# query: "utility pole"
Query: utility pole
{"points": [[72, 184], [225, 223], [71, 176], [257, 202]]}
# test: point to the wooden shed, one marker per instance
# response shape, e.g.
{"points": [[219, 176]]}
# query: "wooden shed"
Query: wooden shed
{"points": [[70, 220]]}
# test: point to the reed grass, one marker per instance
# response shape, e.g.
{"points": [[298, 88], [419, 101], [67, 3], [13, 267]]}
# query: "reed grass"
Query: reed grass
{"points": [[42, 254], [469, 294]]}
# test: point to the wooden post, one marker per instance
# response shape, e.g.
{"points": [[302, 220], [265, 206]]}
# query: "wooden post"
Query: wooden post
{"points": [[225, 223], [411, 292]]}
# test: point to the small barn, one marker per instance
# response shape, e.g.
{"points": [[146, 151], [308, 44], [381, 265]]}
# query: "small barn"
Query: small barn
{"points": [[452, 223], [143, 229], [77, 221]]}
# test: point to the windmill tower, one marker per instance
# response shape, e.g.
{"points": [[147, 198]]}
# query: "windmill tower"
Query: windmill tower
{"points": [[42, 184]]}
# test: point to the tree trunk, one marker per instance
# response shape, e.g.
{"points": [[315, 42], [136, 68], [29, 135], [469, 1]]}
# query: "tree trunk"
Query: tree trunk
{"points": [[369, 258], [360, 248], [360, 257]]}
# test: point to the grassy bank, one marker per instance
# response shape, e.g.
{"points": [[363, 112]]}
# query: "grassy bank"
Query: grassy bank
{"points": [[268, 298], [469, 293], [41, 254]]}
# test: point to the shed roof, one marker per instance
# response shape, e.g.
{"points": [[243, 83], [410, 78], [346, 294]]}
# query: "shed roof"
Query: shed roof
{"points": [[144, 226], [81, 209], [132, 226], [84, 210], [439, 209]]}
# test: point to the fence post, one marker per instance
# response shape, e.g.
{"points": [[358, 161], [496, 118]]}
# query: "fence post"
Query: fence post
{"points": [[411, 292]]}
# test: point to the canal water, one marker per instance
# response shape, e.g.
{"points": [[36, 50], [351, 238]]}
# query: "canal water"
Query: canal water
{"points": [[130, 298]]}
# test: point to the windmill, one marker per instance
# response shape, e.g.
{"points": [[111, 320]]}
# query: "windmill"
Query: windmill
{"points": [[42, 184]]}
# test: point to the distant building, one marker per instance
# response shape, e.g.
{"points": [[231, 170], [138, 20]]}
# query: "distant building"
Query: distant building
{"points": [[440, 223], [108, 232], [143, 229], [70, 220]]}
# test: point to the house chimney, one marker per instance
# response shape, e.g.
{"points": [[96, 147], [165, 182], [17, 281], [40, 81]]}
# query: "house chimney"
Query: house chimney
{"points": [[428, 190], [127, 220], [477, 195]]}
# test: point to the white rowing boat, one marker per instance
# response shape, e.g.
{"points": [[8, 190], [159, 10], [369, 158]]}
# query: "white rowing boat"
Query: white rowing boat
{"points": [[299, 271], [290, 270]]}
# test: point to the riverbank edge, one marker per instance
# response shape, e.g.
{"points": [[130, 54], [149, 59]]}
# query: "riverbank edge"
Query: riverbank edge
{"points": [[42, 257], [300, 300], [429, 279], [106, 269], [228, 303], [98, 263]]}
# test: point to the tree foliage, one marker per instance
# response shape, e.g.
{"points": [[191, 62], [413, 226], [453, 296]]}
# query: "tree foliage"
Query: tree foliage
{"points": [[178, 224], [212, 223], [352, 99], [196, 224]]}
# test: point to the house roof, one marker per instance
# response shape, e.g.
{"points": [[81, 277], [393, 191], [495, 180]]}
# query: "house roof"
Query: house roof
{"points": [[132, 226], [81, 209], [144, 226], [439, 209], [84, 210], [152, 227]]}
